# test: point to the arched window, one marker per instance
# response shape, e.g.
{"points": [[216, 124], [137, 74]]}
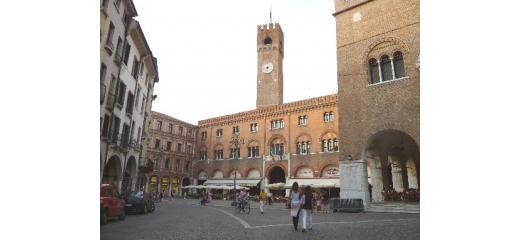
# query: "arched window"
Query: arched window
{"points": [[386, 68], [398, 65], [268, 41], [374, 71]]}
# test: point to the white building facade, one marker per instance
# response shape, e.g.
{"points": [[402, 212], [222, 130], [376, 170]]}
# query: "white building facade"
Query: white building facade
{"points": [[128, 74]]}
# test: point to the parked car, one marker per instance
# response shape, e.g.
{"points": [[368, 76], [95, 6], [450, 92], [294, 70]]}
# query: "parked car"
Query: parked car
{"points": [[112, 205], [139, 202]]}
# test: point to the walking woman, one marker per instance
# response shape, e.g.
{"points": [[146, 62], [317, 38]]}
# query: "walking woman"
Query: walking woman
{"points": [[295, 198], [307, 209]]}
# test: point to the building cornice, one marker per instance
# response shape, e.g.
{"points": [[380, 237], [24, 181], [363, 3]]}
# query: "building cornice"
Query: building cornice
{"points": [[273, 111]]}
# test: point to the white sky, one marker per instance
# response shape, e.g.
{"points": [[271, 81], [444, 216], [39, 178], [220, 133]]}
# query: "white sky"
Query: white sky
{"points": [[206, 52]]}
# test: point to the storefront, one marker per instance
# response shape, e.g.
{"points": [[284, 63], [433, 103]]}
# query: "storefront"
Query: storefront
{"points": [[175, 185], [165, 184], [154, 181]]}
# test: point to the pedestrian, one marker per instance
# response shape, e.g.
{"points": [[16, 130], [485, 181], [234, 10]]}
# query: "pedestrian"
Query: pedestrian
{"points": [[270, 198], [262, 197], [210, 196], [295, 198], [307, 209], [160, 196]]}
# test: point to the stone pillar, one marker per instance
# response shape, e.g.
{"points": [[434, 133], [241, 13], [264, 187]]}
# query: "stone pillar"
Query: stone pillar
{"points": [[119, 184], [397, 173], [354, 180], [376, 177], [412, 174]]}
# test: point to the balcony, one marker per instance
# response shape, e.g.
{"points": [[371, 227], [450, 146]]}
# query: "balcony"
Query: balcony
{"points": [[109, 47], [103, 89]]}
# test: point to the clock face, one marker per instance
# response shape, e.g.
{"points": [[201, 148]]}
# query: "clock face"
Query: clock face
{"points": [[267, 67]]}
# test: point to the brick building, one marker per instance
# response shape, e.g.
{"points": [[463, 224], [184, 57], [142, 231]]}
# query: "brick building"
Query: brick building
{"points": [[276, 142], [170, 153], [378, 91]]}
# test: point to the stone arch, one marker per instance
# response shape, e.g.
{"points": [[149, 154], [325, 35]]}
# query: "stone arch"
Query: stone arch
{"points": [[386, 44], [253, 173], [230, 173], [252, 143], [326, 167], [303, 137], [392, 158], [275, 137], [270, 168], [327, 133], [276, 170], [129, 175], [303, 171], [217, 173], [112, 171]]}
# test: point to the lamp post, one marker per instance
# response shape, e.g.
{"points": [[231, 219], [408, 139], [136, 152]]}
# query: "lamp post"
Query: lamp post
{"points": [[235, 142]]}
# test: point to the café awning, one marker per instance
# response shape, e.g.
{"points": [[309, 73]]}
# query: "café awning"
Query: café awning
{"points": [[315, 182], [229, 182]]}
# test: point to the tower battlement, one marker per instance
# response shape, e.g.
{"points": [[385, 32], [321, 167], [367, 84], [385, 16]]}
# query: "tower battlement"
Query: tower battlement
{"points": [[268, 26]]}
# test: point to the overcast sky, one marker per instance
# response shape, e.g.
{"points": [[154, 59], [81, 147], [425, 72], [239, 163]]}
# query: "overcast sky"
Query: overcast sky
{"points": [[206, 52]]}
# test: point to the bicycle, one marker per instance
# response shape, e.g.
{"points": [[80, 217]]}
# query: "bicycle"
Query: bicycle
{"points": [[243, 206]]}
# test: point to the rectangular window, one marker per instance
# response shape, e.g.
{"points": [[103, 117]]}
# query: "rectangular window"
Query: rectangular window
{"points": [[179, 147], [110, 35], [115, 130], [203, 155], [157, 143], [104, 4], [167, 163], [122, 91], [253, 152], [189, 149], [277, 149], [126, 54], [177, 163], [219, 154], [219, 132], [137, 98], [203, 135], [135, 68], [159, 125], [103, 72], [119, 48], [277, 124], [253, 127], [234, 153], [236, 130], [125, 135], [181, 131], [106, 122], [168, 146], [170, 128], [190, 132], [130, 103], [302, 120]]}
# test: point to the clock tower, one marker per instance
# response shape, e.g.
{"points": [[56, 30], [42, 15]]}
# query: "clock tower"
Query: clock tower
{"points": [[269, 85]]}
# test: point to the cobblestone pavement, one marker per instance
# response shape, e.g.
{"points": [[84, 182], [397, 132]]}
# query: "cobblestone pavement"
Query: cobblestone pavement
{"points": [[185, 219]]}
